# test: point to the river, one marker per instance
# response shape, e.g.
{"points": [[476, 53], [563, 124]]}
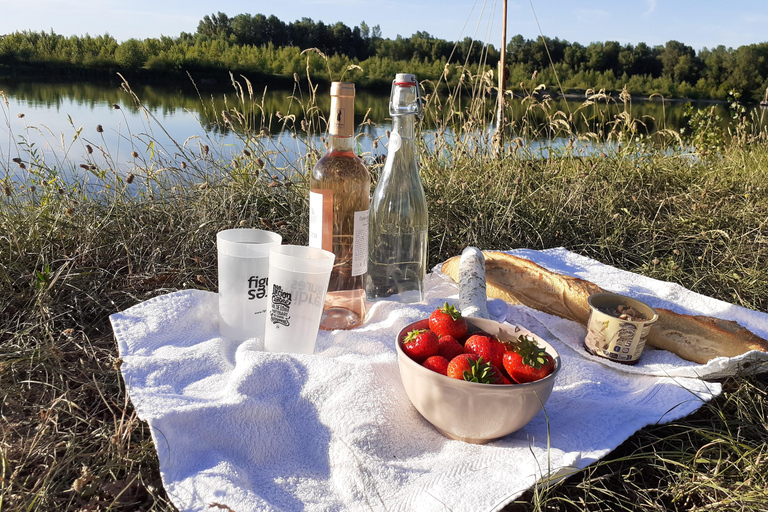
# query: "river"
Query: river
{"points": [[58, 122]]}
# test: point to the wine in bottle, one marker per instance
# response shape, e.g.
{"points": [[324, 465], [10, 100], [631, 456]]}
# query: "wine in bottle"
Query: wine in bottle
{"points": [[339, 199]]}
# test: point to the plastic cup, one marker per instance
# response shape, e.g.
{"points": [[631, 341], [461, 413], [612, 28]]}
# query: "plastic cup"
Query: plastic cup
{"points": [[298, 281], [243, 281]]}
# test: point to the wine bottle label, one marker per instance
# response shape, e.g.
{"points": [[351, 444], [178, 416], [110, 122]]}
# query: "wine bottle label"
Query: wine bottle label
{"points": [[321, 219], [360, 247]]}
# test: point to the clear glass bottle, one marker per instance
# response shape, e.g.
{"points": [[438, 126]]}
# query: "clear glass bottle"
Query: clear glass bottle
{"points": [[398, 241], [339, 199]]}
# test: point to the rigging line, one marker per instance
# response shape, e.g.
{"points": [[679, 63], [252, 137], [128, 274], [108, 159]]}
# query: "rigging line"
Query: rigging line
{"points": [[483, 60], [549, 56], [457, 91], [443, 75], [478, 83]]}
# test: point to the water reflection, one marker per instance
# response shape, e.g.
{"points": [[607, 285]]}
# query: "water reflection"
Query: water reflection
{"points": [[55, 122]]}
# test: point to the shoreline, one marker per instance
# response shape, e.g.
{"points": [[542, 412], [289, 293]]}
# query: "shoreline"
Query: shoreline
{"points": [[219, 79]]}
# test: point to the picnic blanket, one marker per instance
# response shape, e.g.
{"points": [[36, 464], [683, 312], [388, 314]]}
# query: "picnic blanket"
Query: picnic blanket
{"points": [[237, 427]]}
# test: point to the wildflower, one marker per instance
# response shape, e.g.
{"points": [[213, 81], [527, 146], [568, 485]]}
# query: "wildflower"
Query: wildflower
{"points": [[99, 128], [246, 152], [134, 154], [259, 163], [20, 115], [183, 165], [89, 149], [17, 160], [205, 149], [85, 166], [129, 178]]}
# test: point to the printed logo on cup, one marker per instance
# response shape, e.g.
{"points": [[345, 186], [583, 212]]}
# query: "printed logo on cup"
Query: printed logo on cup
{"points": [[257, 287], [281, 306]]}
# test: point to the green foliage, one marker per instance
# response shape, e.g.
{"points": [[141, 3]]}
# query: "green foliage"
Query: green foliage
{"points": [[259, 44]]}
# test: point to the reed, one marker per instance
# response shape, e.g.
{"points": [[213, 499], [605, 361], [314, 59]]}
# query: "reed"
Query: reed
{"points": [[85, 235]]}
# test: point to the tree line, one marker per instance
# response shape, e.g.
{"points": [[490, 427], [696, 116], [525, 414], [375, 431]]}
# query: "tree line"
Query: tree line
{"points": [[267, 45]]}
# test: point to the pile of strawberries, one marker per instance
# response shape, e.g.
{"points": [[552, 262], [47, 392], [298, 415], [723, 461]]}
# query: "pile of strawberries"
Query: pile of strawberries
{"points": [[447, 348]]}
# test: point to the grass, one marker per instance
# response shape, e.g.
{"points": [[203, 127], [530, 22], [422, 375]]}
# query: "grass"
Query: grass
{"points": [[693, 211]]}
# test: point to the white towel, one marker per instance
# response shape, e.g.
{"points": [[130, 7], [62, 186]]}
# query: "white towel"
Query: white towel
{"points": [[250, 430]]}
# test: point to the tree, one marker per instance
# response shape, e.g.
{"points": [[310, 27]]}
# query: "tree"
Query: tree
{"points": [[130, 54], [679, 62], [216, 26]]}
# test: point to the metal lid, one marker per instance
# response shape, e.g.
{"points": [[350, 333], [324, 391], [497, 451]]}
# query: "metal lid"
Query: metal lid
{"points": [[405, 79]]}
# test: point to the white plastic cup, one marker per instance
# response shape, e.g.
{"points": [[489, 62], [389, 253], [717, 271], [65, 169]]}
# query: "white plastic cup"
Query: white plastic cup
{"points": [[243, 281], [298, 281]]}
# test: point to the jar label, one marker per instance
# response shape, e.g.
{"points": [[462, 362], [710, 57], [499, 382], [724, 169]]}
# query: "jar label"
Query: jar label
{"points": [[615, 339], [360, 244]]}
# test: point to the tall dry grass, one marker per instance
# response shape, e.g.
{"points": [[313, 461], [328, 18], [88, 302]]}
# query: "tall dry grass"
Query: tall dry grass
{"points": [[688, 210]]}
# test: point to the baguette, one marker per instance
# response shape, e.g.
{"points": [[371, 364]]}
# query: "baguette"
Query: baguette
{"points": [[695, 338]]}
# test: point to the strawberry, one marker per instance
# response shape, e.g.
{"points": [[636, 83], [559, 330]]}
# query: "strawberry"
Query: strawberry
{"points": [[486, 346], [437, 364], [527, 362], [472, 368], [420, 344], [449, 347], [448, 320]]}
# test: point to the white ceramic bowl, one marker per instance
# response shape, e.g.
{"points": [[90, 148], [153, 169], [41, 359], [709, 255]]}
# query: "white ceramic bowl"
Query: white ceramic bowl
{"points": [[469, 411]]}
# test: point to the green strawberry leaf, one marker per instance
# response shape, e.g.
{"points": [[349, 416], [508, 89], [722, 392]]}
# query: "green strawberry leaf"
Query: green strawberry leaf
{"points": [[531, 354]]}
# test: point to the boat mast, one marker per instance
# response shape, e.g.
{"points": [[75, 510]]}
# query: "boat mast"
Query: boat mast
{"points": [[502, 80]]}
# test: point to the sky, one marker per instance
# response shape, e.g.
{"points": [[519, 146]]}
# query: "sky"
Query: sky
{"points": [[699, 24]]}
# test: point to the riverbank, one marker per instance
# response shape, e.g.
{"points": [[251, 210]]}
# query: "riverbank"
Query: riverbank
{"points": [[219, 81]]}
